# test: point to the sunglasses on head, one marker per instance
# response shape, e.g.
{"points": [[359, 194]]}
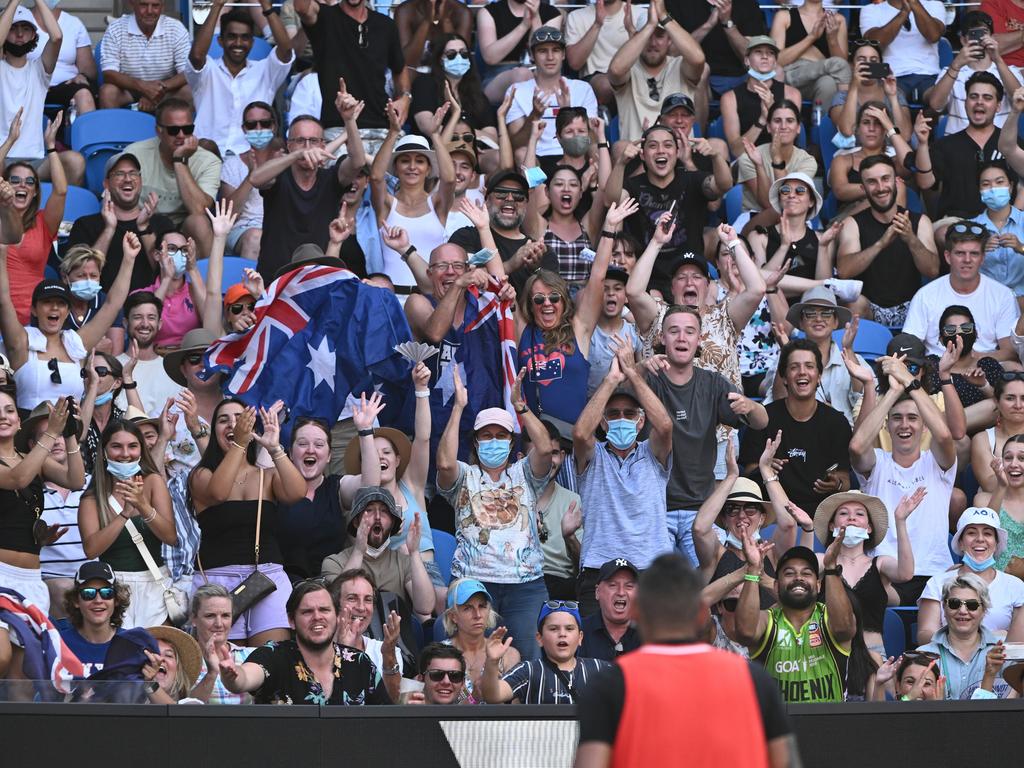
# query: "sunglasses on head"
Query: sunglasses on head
{"points": [[788, 189], [174, 130], [548, 36], [237, 309], [454, 675], [450, 55], [252, 125], [54, 367], [555, 605], [540, 299], [954, 603], [1013, 375], [974, 229], [89, 593], [952, 329], [862, 42], [28, 181]]}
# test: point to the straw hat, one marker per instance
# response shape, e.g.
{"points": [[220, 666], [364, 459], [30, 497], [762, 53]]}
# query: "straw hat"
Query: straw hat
{"points": [[196, 340], [189, 655], [877, 514], [354, 453], [138, 417]]}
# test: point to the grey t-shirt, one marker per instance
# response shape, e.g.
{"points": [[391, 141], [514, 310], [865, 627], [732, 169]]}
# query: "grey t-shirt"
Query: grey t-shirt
{"points": [[695, 408]]}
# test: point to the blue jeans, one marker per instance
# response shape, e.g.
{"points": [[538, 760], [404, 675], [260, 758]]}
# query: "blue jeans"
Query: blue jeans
{"points": [[914, 86], [519, 605], [680, 529], [722, 83]]}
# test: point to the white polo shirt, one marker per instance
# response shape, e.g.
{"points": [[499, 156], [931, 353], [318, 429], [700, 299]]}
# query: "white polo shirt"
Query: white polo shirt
{"points": [[127, 50]]}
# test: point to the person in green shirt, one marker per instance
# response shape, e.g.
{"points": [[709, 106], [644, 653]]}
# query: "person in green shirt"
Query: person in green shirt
{"points": [[803, 643]]}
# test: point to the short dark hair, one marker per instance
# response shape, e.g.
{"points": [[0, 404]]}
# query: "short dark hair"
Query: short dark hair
{"points": [[975, 19], [799, 345], [872, 160], [985, 78], [143, 297], [302, 589], [1002, 165], [628, 243], [262, 105], [669, 591], [172, 104], [783, 104], [567, 114], [440, 651], [953, 237], [303, 119], [238, 16]]}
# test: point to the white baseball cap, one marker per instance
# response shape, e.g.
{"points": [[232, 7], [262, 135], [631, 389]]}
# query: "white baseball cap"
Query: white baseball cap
{"points": [[979, 516]]}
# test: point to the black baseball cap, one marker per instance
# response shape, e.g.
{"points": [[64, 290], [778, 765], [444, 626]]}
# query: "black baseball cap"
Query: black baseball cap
{"points": [[51, 289], [691, 258], [94, 571], [674, 100], [909, 345], [617, 273], [612, 567], [799, 553], [496, 179]]}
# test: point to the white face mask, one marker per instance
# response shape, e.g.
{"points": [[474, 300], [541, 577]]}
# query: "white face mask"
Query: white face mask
{"points": [[854, 535], [374, 552]]}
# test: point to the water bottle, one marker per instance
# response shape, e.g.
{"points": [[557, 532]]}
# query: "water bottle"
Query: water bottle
{"points": [[72, 112], [817, 111]]}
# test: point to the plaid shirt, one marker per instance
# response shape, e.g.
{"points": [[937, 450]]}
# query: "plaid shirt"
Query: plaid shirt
{"points": [[571, 266], [181, 558]]}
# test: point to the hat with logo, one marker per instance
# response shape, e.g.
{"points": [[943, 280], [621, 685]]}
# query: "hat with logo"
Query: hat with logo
{"points": [[51, 289], [907, 345], [613, 566], [676, 100], [691, 259], [979, 516], [94, 571]]}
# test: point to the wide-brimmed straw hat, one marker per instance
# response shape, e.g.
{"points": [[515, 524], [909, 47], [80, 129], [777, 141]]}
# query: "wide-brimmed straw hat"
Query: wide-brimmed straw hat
{"points": [[877, 514]]}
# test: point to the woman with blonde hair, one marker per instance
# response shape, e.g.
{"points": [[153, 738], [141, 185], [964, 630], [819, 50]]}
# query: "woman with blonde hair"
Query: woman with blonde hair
{"points": [[80, 269]]}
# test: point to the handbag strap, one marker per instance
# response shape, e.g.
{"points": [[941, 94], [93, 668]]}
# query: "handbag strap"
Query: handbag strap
{"points": [[140, 544], [259, 521]]}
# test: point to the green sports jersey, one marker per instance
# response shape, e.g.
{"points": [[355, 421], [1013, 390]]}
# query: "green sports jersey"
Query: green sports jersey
{"points": [[809, 665]]}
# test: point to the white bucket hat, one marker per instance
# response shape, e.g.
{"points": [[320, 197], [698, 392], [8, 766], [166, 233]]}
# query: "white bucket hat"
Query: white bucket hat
{"points": [[979, 516], [803, 178]]}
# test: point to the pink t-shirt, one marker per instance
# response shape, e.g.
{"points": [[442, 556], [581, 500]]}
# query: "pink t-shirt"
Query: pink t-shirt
{"points": [[178, 317], [26, 264]]}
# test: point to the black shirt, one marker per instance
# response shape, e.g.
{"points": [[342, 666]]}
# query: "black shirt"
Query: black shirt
{"points": [[293, 216], [598, 644], [803, 253], [86, 231], [720, 56], [425, 99], [748, 107], [469, 239], [337, 53], [289, 680], [600, 706], [311, 529], [955, 161], [687, 190], [810, 446], [891, 278], [505, 21]]}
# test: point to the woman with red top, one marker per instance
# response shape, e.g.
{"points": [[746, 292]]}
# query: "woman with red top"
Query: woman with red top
{"points": [[27, 259]]}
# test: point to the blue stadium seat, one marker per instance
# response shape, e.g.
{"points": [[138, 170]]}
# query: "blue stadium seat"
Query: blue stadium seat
{"points": [[716, 129], [914, 201], [233, 266], [444, 551], [829, 207], [734, 203], [945, 53], [872, 339], [940, 127], [260, 49], [97, 54], [80, 202], [111, 128], [894, 634], [826, 131], [439, 635]]}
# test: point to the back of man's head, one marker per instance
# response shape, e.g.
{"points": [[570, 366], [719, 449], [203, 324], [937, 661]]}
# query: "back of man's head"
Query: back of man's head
{"points": [[668, 601]]}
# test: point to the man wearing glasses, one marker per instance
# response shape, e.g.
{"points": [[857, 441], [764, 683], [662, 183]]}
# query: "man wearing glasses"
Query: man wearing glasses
{"points": [[184, 177], [443, 672], [224, 86], [992, 304]]}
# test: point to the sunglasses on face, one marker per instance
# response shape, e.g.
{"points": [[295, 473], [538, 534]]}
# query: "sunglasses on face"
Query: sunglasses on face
{"points": [[437, 675], [503, 193], [817, 314], [954, 603], [952, 329], [789, 189], [729, 604], [974, 229], [174, 130], [737, 510], [194, 358], [450, 55], [101, 371], [237, 309], [88, 594], [54, 367], [540, 299], [466, 138], [28, 181], [252, 125], [913, 368]]}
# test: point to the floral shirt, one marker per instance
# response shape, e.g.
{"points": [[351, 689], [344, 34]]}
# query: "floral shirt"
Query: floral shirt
{"points": [[289, 680]]}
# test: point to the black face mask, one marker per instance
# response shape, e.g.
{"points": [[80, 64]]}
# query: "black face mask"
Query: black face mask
{"points": [[20, 49], [969, 339]]}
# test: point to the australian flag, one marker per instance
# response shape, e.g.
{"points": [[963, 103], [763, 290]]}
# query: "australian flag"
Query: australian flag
{"points": [[320, 334]]}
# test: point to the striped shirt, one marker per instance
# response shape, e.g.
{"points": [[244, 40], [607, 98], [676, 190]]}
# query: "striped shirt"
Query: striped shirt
{"points": [[61, 559], [537, 682], [180, 559], [126, 49]]}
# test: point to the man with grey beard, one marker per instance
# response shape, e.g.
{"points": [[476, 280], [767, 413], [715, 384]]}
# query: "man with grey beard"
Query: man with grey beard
{"points": [[505, 195]]}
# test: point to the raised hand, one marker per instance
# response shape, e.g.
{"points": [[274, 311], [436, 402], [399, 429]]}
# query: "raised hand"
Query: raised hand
{"points": [[14, 131], [950, 356], [131, 246], [392, 631], [887, 670], [253, 282], [395, 238], [664, 229], [168, 421], [147, 210], [107, 212], [832, 552], [242, 434], [999, 470], [516, 396], [619, 212], [437, 121], [50, 134], [363, 533], [498, 644], [768, 463], [727, 235], [773, 278], [923, 129], [339, 230], [414, 534], [222, 218], [850, 332], [858, 371], [751, 552], [58, 416], [186, 402], [420, 376], [365, 412], [474, 211], [829, 235], [909, 503], [506, 104], [461, 395], [572, 519], [271, 435], [732, 469]]}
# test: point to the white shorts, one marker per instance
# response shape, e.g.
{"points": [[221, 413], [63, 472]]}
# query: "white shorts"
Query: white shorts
{"points": [[147, 608], [28, 582]]}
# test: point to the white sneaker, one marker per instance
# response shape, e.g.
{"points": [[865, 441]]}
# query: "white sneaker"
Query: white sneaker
{"points": [[845, 290]]}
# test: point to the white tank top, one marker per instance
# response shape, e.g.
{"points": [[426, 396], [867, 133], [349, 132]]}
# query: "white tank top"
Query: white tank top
{"points": [[35, 379], [426, 232]]}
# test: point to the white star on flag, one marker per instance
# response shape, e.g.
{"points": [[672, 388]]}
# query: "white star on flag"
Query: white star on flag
{"points": [[322, 363], [446, 381]]}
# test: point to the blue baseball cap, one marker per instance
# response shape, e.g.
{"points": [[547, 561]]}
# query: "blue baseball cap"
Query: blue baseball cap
{"points": [[465, 590], [555, 606]]}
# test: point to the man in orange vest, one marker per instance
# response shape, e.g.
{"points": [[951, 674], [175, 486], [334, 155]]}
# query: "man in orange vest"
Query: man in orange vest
{"points": [[676, 701]]}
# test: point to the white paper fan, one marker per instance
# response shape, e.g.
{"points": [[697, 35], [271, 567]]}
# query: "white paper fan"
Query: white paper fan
{"points": [[415, 351]]}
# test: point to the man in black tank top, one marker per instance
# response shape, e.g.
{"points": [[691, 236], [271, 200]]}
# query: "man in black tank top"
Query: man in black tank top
{"points": [[901, 251], [745, 107]]}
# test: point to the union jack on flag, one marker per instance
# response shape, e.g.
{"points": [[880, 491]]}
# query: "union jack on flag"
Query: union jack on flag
{"points": [[46, 655], [489, 304]]}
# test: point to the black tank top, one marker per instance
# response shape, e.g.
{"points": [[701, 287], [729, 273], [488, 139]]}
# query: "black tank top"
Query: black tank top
{"points": [[229, 534], [19, 511], [872, 597], [505, 21], [797, 32], [748, 107], [892, 278], [730, 562], [804, 252]]}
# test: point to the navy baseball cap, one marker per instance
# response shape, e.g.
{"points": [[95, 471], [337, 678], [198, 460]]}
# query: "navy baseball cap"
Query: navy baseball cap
{"points": [[612, 567], [559, 606]]}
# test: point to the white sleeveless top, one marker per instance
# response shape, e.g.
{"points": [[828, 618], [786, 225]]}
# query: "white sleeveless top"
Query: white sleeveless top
{"points": [[35, 377], [426, 232]]}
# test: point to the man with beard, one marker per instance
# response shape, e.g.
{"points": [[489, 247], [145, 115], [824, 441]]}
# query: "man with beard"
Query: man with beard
{"points": [[892, 250], [312, 668], [803, 643], [371, 521], [642, 73], [992, 304], [142, 323], [609, 633], [505, 197], [121, 213]]}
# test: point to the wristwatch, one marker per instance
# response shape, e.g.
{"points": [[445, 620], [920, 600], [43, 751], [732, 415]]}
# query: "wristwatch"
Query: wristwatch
{"points": [[837, 571], [391, 670], [521, 412], [894, 131], [728, 24], [664, 20], [203, 431], [182, 160], [915, 384]]}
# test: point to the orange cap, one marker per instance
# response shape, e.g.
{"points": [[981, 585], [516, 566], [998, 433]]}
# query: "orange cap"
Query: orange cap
{"points": [[236, 293]]}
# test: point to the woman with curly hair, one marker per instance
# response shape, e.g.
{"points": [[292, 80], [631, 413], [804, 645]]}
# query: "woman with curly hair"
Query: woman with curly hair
{"points": [[95, 609], [555, 331]]}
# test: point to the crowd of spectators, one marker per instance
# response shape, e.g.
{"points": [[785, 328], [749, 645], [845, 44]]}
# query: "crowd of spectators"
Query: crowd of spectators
{"points": [[765, 278]]}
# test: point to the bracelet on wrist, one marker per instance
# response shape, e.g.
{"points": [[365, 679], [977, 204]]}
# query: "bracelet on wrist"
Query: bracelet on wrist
{"points": [[408, 252], [609, 234], [50, 150], [945, 382], [268, 12], [422, 393], [239, 447], [70, 453], [754, 577], [365, 433], [771, 478]]}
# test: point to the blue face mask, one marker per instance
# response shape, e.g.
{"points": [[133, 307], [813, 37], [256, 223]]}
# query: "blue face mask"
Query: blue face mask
{"points": [[180, 261], [260, 138], [979, 565], [534, 176], [105, 398], [86, 290], [764, 77], [456, 67], [123, 470], [621, 433], [841, 141], [854, 535], [737, 543], [995, 198], [493, 453]]}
